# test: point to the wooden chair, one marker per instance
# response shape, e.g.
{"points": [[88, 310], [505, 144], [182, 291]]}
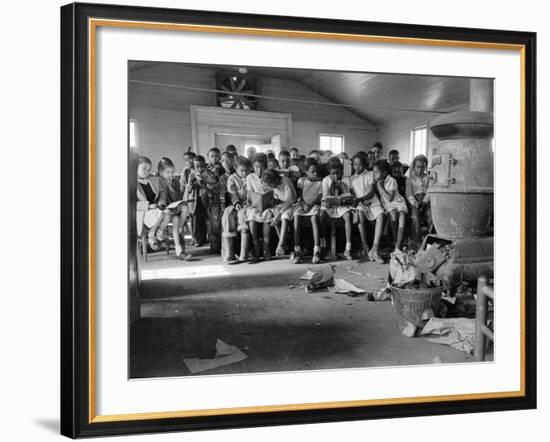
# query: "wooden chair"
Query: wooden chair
{"points": [[143, 243], [485, 293]]}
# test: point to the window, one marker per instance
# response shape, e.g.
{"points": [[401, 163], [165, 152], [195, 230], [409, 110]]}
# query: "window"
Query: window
{"points": [[419, 141], [133, 134], [334, 143]]}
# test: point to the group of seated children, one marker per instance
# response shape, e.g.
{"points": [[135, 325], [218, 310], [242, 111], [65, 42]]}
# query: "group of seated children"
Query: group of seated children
{"points": [[231, 196]]}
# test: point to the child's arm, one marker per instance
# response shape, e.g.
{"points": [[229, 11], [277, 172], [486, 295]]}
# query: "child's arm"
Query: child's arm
{"points": [[163, 195], [388, 194], [410, 193]]}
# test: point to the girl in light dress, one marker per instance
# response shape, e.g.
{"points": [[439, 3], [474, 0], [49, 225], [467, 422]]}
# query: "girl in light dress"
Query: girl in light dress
{"points": [[284, 196], [335, 185], [417, 195], [148, 213], [394, 204], [368, 206], [308, 205], [234, 215]]}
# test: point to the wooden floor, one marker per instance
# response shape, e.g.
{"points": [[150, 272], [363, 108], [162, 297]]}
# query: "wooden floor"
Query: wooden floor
{"points": [[261, 309]]}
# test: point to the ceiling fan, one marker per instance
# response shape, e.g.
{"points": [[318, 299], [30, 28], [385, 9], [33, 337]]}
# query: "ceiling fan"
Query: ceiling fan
{"points": [[237, 90]]}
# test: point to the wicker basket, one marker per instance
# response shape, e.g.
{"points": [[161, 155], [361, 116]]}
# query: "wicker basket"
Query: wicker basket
{"points": [[412, 303]]}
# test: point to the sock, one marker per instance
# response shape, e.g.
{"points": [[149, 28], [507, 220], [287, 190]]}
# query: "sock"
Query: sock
{"points": [[298, 249], [348, 246], [316, 249]]}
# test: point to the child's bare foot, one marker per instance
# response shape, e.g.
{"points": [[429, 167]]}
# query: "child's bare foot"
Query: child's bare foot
{"points": [[180, 254], [280, 251], [374, 256]]}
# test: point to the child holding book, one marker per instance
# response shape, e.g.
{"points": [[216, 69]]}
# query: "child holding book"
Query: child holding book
{"points": [[148, 213], [255, 215], [309, 194], [369, 208], [170, 193], [234, 215], [334, 186], [284, 196], [393, 202]]}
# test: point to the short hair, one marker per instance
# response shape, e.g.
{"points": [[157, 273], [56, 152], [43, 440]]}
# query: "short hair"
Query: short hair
{"points": [[294, 149], [314, 151], [419, 158], [165, 163], [214, 149], [145, 160], [271, 178], [311, 162], [362, 158], [378, 144], [344, 155], [273, 160], [189, 154], [328, 152], [396, 164], [270, 155], [228, 154], [284, 153], [370, 152], [334, 163], [296, 162], [261, 158], [200, 159], [243, 161], [231, 148], [382, 165], [393, 152], [362, 154]]}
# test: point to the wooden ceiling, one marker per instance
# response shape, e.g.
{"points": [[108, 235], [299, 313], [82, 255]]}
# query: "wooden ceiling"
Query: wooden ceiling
{"points": [[375, 97]]}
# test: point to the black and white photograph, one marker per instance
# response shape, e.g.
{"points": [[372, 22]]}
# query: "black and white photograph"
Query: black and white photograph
{"points": [[289, 219]]}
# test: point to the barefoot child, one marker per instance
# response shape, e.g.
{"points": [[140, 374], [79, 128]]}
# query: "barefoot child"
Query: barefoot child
{"points": [[417, 195], [368, 206], [308, 205], [392, 201], [335, 185], [169, 192], [234, 215], [284, 196], [254, 216]]}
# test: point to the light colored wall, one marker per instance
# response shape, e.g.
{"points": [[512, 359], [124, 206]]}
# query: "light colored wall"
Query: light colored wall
{"points": [[164, 124], [397, 135]]}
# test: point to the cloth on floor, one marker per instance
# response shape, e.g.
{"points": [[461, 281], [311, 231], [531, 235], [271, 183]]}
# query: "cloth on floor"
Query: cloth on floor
{"points": [[342, 286], [320, 279], [225, 354], [459, 333]]}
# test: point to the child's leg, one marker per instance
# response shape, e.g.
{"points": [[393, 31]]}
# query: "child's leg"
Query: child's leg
{"points": [[229, 232], [400, 230], [255, 240], [347, 226], [176, 235], [363, 230], [267, 235], [316, 248], [393, 223], [297, 255], [415, 224], [378, 229], [282, 235], [166, 218]]}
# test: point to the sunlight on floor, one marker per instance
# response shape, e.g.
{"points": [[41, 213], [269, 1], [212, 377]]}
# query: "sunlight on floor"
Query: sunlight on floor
{"points": [[182, 272]]}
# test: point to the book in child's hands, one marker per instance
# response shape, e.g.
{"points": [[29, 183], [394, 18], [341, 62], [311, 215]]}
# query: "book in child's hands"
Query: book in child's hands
{"points": [[176, 204], [261, 201], [345, 199]]}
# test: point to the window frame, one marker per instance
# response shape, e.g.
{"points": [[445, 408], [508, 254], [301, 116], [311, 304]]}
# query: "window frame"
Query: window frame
{"points": [[332, 135]]}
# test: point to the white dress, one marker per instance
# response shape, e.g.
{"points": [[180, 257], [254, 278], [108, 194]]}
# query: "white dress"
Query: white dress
{"points": [[398, 203], [310, 202], [286, 194], [360, 185], [343, 187], [254, 183]]}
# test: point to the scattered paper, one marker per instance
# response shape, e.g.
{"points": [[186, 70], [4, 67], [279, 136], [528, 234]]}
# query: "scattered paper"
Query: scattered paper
{"points": [[459, 333], [342, 286], [225, 354]]}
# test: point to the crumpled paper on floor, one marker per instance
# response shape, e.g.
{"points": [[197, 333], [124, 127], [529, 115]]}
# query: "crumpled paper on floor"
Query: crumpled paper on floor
{"points": [[344, 287], [320, 279], [225, 354], [459, 333]]}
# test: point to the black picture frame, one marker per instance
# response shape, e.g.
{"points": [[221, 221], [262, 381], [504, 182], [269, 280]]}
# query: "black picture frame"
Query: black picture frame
{"points": [[75, 219]]}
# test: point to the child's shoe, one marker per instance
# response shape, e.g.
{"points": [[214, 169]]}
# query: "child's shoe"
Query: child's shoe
{"points": [[297, 257], [280, 251], [152, 242], [316, 257], [347, 255]]}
